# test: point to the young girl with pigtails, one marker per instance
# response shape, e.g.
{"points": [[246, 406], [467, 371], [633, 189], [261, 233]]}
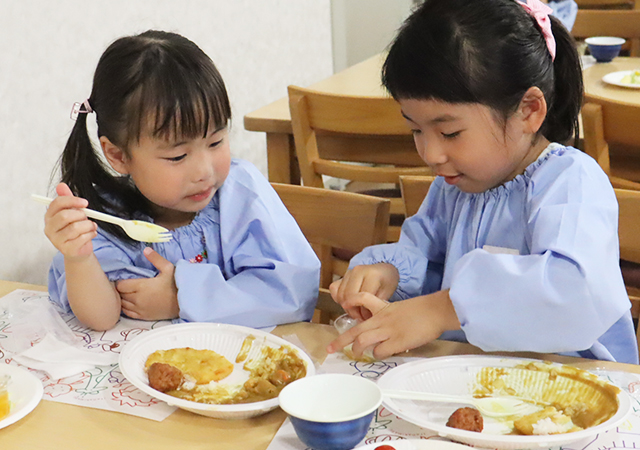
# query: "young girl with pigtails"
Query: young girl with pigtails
{"points": [[236, 255], [515, 247]]}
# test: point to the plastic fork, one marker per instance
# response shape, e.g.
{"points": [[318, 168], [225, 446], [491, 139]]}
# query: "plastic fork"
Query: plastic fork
{"points": [[488, 406], [136, 229]]}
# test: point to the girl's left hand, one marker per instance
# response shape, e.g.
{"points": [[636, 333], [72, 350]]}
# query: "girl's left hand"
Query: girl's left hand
{"points": [[151, 298], [399, 326]]}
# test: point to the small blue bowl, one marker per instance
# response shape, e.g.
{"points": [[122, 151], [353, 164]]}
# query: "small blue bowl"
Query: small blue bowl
{"points": [[604, 48], [331, 411]]}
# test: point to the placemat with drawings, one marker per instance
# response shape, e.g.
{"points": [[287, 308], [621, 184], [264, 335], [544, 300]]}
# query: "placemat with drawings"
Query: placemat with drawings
{"points": [[387, 427], [31, 328]]}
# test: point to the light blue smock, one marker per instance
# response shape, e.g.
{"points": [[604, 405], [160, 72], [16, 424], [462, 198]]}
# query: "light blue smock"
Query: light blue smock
{"points": [[257, 267], [562, 292], [566, 11]]}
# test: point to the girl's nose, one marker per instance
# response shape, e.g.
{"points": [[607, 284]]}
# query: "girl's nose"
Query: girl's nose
{"points": [[431, 153], [202, 168]]}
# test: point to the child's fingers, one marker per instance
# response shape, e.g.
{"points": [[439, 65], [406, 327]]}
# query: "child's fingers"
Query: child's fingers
{"points": [[370, 338], [74, 230], [365, 300], [343, 340], [126, 288], [63, 189]]}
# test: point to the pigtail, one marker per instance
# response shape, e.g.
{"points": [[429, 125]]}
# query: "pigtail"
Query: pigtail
{"points": [[561, 123], [88, 177]]}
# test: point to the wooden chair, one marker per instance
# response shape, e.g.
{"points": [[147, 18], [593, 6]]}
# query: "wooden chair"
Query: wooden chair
{"points": [[414, 190], [335, 219], [609, 123], [620, 23], [606, 4], [629, 236], [332, 132]]}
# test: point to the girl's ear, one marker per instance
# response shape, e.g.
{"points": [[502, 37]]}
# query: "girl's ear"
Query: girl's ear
{"points": [[533, 109], [116, 157]]}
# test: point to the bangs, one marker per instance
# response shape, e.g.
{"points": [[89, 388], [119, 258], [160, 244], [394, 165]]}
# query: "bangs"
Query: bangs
{"points": [[178, 102]]}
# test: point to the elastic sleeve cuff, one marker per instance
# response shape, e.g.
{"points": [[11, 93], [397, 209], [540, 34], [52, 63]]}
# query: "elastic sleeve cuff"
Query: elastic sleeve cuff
{"points": [[411, 266]]}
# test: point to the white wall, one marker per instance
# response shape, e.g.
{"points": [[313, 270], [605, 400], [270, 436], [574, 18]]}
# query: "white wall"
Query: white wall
{"points": [[363, 28], [49, 49]]}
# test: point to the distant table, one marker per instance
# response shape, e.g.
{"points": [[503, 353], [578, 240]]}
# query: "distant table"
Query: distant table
{"points": [[596, 89], [364, 79]]}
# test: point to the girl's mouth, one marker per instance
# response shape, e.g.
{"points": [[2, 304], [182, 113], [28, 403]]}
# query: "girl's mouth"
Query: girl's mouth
{"points": [[200, 196], [452, 179]]}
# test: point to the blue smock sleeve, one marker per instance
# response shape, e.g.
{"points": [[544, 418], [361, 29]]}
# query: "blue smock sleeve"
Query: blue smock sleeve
{"points": [[566, 11], [119, 261], [566, 291], [419, 254], [266, 273]]}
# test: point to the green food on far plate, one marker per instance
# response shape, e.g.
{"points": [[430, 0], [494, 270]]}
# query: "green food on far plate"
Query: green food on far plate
{"points": [[632, 78]]}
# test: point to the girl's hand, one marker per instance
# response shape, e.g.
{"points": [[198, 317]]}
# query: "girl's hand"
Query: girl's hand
{"points": [[67, 227], [380, 279], [151, 298], [399, 326]]}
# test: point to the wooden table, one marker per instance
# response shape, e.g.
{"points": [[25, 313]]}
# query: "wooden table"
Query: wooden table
{"points": [[596, 89], [364, 79], [53, 425]]}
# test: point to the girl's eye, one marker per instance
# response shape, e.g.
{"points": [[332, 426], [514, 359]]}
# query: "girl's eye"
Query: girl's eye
{"points": [[177, 158], [451, 135], [215, 144]]}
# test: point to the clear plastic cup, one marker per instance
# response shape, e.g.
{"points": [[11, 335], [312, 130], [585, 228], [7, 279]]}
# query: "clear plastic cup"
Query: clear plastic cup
{"points": [[342, 324]]}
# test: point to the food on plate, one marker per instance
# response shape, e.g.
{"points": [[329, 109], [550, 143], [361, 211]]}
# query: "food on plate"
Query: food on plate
{"points": [[547, 421], [632, 78], [466, 419], [5, 404], [202, 366], [569, 398], [200, 375], [384, 447], [164, 377]]}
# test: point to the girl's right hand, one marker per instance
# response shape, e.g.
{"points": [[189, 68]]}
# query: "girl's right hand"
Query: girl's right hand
{"points": [[67, 227], [380, 279]]}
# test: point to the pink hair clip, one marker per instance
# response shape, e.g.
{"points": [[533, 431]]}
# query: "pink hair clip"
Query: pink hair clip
{"points": [[540, 12], [77, 109]]}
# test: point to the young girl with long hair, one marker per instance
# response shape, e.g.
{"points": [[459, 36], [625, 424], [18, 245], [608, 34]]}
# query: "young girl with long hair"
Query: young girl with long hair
{"points": [[515, 247], [236, 255]]}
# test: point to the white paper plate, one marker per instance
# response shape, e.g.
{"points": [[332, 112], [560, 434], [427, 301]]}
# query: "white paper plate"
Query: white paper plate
{"points": [[417, 444], [616, 77], [223, 339], [457, 375], [25, 392]]}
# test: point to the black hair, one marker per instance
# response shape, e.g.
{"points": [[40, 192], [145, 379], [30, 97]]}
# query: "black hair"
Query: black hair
{"points": [[157, 82], [489, 52]]}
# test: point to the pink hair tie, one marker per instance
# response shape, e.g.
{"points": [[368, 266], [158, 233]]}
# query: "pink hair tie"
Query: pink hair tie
{"points": [[77, 109], [540, 12]]}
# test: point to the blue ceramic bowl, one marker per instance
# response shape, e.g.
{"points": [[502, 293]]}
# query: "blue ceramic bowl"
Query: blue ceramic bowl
{"points": [[604, 48], [331, 411]]}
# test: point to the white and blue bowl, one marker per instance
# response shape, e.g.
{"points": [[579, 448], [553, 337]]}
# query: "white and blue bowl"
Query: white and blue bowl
{"points": [[604, 48], [331, 411]]}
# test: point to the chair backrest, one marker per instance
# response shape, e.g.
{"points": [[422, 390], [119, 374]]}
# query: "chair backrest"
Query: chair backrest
{"points": [[605, 4], [414, 189], [336, 220], [332, 132], [629, 236], [621, 23], [609, 122], [375, 122]]}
